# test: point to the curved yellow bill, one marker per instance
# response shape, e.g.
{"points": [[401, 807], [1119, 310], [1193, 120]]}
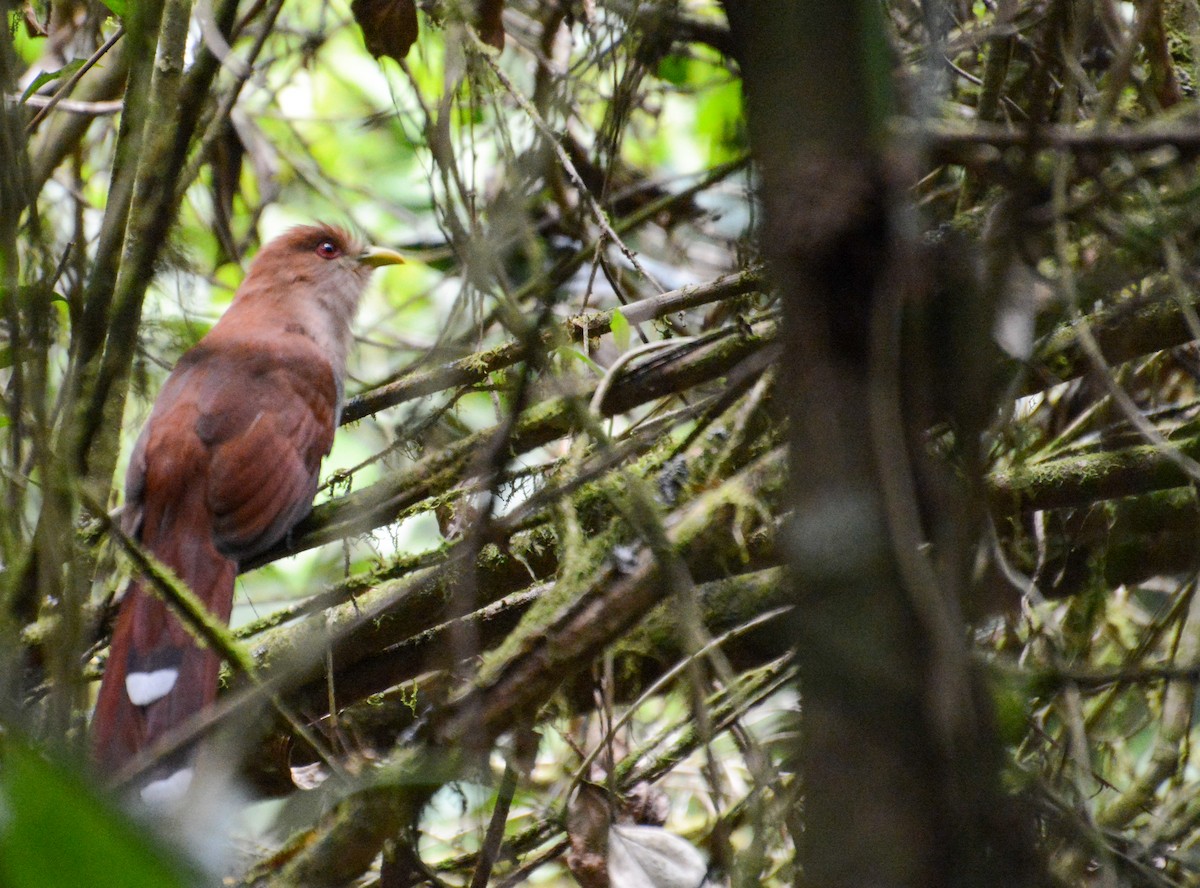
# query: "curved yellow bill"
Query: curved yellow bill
{"points": [[378, 256]]}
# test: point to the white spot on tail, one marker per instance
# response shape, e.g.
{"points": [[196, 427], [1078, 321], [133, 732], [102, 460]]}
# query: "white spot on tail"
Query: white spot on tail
{"points": [[168, 790], [144, 688]]}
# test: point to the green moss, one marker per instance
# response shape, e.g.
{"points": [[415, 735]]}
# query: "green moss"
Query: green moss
{"points": [[485, 362], [590, 323], [1089, 477]]}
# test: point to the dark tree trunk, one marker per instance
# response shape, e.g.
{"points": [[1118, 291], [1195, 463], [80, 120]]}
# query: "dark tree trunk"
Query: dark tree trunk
{"points": [[898, 772]]}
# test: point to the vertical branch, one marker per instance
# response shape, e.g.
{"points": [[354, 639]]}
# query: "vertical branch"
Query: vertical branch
{"points": [[89, 333], [997, 57], [174, 106], [875, 635], [149, 218], [89, 328], [14, 200], [161, 111]]}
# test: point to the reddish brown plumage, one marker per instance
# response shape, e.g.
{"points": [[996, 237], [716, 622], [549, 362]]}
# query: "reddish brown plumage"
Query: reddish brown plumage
{"points": [[225, 466]]}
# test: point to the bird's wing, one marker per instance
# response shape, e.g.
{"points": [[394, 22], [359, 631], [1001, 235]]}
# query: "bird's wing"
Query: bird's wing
{"points": [[266, 435]]}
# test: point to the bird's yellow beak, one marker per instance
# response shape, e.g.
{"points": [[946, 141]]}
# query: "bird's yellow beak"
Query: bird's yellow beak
{"points": [[379, 256]]}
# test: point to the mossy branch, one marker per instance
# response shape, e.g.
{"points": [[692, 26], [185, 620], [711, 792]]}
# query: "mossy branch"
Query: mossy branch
{"points": [[1086, 478], [1127, 330], [475, 368], [351, 836]]}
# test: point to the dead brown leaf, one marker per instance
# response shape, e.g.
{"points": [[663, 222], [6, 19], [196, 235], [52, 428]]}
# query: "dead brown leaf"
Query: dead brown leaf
{"points": [[33, 25], [589, 815], [389, 26], [491, 28]]}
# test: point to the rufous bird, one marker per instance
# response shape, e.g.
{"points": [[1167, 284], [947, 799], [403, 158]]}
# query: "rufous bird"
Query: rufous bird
{"points": [[226, 465]]}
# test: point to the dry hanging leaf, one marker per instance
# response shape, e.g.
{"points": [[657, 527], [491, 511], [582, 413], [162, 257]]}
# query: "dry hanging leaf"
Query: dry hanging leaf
{"points": [[33, 27], [389, 26], [491, 29], [588, 817], [646, 805]]}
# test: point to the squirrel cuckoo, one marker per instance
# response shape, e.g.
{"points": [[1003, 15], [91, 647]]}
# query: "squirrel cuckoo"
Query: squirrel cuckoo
{"points": [[224, 468]]}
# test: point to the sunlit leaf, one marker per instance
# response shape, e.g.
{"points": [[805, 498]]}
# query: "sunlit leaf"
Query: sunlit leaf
{"points": [[720, 122], [620, 329], [673, 69]]}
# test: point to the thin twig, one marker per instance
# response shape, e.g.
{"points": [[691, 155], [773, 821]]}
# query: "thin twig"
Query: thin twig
{"points": [[63, 91]]}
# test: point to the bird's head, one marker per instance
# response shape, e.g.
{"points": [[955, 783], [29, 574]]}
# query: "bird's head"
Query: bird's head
{"points": [[310, 278], [321, 263], [322, 252]]}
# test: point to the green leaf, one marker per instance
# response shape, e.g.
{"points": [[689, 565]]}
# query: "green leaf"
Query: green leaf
{"points": [[46, 76], [620, 329], [119, 8], [720, 121], [55, 830], [674, 69]]}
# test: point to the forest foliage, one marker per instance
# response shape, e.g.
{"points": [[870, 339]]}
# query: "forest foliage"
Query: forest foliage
{"points": [[540, 618]]}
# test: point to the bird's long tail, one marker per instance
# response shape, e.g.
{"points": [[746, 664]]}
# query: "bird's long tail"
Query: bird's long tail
{"points": [[157, 675]]}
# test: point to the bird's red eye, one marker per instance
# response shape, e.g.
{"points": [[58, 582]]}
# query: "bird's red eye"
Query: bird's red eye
{"points": [[327, 249]]}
